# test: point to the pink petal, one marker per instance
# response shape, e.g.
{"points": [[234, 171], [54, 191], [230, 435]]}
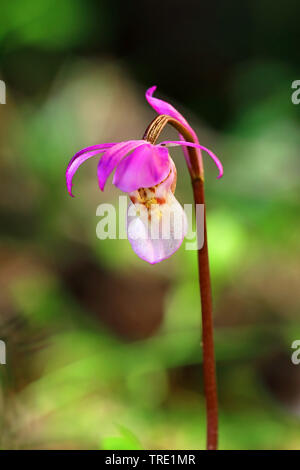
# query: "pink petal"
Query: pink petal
{"points": [[162, 107], [146, 166], [112, 157], [198, 146], [79, 158], [157, 239]]}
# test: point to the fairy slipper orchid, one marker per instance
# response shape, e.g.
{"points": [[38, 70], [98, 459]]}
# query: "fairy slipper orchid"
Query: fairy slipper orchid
{"points": [[156, 222], [157, 225]]}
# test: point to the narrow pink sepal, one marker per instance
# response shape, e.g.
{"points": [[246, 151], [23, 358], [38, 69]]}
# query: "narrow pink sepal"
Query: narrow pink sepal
{"points": [[79, 158], [197, 146], [162, 107]]}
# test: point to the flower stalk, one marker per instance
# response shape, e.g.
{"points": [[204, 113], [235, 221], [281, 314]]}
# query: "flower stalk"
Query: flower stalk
{"points": [[197, 179]]}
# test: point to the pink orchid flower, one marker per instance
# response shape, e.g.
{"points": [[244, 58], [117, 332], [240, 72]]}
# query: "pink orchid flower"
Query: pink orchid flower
{"points": [[156, 222]]}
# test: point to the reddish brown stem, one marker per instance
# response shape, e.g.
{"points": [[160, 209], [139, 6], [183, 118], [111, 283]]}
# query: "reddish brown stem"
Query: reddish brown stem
{"points": [[209, 369]]}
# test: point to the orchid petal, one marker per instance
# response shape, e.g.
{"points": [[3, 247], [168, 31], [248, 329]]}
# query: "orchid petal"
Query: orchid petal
{"points": [[158, 238], [112, 158], [79, 158], [162, 107], [197, 146], [146, 166]]}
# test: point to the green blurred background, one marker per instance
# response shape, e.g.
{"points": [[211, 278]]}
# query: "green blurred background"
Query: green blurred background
{"points": [[103, 350]]}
